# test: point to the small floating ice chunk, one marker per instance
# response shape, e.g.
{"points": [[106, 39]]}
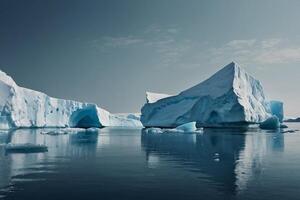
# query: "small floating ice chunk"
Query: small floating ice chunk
{"points": [[154, 130], [283, 126], [25, 148], [290, 131], [270, 123], [72, 130], [92, 129], [64, 131], [162, 130], [54, 132], [187, 127]]}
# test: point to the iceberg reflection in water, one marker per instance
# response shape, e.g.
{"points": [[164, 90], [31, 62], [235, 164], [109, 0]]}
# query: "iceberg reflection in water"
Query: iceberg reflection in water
{"points": [[116, 163], [229, 157]]}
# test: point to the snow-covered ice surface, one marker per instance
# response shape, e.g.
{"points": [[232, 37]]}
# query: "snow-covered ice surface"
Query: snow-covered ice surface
{"points": [[230, 97], [152, 97], [22, 107]]}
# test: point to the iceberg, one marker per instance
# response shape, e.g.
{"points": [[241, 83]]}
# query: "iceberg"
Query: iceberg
{"points": [[22, 107], [277, 109], [295, 119], [270, 123], [125, 120], [231, 97], [283, 126]]}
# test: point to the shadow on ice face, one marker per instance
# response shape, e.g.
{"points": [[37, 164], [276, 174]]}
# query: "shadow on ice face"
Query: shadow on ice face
{"points": [[85, 118]]}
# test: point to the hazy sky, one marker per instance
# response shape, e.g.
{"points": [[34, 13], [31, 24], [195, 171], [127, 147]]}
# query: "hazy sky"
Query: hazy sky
{"points": [[111, 52]]}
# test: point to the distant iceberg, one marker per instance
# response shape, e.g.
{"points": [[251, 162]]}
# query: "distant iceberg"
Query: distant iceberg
{"points": [[277, 109], [22, 107], [125, 120], [231, 97], [295, 119]]}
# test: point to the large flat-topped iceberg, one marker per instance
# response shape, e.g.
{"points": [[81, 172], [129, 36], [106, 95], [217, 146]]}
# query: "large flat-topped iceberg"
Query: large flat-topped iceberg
{"points": [[22, 107], [230, 97]]}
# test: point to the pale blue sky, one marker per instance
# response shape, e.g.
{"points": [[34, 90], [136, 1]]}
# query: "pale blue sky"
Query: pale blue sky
{"points": [[111, 52]]}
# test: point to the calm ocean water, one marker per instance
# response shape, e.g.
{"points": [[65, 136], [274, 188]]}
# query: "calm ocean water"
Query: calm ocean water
{"points": [[130, 164]]}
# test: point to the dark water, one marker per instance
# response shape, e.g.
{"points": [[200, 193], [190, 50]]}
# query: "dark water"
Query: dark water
{"points": [[130, 164]]}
